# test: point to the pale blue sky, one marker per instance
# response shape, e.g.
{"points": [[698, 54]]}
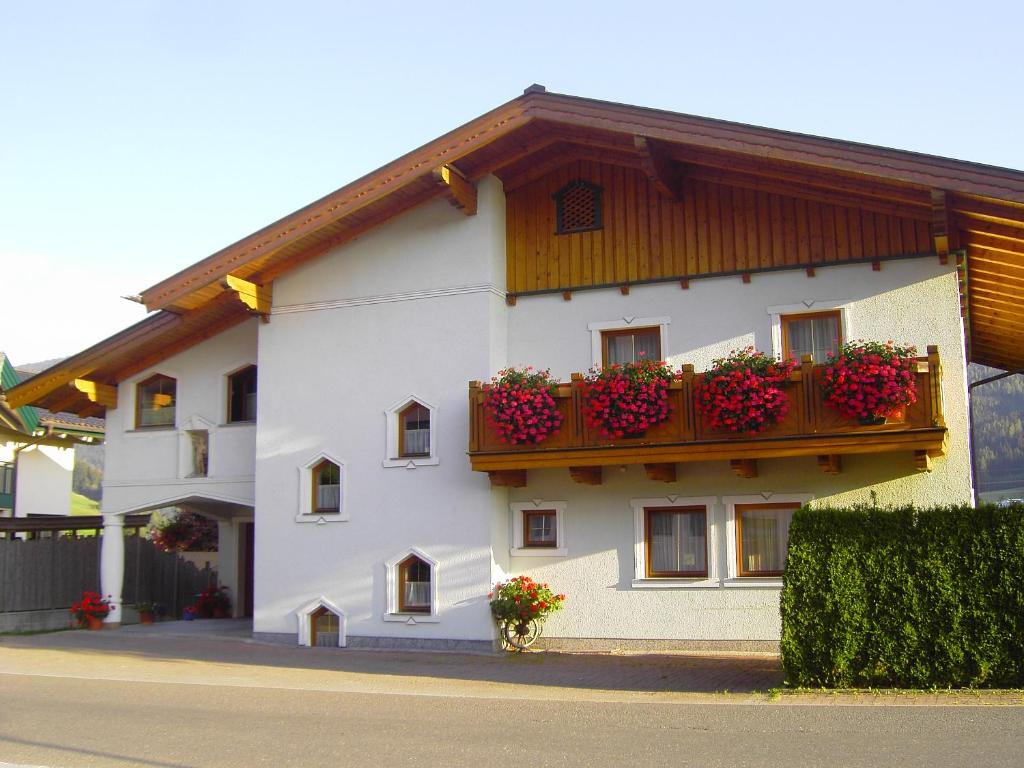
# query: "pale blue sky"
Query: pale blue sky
{"points": [[139, 137]]}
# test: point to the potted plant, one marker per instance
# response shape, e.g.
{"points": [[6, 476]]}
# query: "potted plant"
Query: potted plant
{"points": [[869, 381], [189, 613], [520, 606], [213, 603], [626, 400], [91, 610], [741, 392], [520, 405], [147, 612], [183, 531]]}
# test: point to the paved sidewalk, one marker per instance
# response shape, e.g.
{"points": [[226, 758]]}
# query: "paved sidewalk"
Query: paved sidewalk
{"points": [[223, 651]]}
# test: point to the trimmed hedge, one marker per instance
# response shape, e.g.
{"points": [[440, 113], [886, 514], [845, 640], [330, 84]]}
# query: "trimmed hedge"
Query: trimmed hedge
{"points": [[905, 597]]}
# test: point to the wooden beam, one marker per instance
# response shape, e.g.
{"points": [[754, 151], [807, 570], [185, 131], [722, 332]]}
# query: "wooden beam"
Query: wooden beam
{"points": [[663, 174], [460, 192], [102, 394], [922, 461], [943, 230], [830, 463], [664, 473], [746, 468], [508, 478], [258, 298], [63, 402], [586, 475]]}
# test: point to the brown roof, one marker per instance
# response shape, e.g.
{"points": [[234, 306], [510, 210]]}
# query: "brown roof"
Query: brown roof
{"points": [[975, 209]]}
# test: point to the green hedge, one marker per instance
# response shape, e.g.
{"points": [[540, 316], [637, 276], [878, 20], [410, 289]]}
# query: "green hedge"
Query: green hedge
{"points": [[905, 597]]}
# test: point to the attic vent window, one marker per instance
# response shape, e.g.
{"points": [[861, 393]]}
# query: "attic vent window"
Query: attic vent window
{"points": [[578, 207]]}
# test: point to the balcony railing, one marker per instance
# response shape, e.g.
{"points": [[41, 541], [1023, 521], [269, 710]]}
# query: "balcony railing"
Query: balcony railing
{"points": [[810, 428]]}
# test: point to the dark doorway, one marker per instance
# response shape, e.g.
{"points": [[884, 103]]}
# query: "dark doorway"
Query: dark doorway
{"points": [[248, 531]]}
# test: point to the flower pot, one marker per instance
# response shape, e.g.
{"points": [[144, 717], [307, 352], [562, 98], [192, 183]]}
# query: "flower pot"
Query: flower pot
{"points": [[188, 616], [94, 623], [871, 421], [147, 617], [219, 613]]}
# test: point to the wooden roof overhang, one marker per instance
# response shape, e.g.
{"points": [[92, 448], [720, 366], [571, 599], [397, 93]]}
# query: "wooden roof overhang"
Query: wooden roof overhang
{"points": [[975, 211]]}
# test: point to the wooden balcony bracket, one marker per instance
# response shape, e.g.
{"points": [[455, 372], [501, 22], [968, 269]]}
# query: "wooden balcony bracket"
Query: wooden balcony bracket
{"points": [[257, 298], [830, 463], [459, 191], [746, 468], [943, 231], [586, 475], [624, 290], [922, 461], [510, 299], [663, 473], [508, 478]]}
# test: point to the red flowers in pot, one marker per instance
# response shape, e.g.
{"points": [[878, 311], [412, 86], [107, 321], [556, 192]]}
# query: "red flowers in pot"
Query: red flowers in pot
{"points": [[741, 393], [869, 380], [626, 400], [520, 405]]}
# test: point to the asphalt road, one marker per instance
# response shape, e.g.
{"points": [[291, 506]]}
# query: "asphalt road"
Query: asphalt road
{"points": [[63, 720]]}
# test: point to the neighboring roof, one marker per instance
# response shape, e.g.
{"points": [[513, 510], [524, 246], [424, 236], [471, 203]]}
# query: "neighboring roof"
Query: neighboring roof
{"points": [[9, 379], [974, 209], [30, 421]]}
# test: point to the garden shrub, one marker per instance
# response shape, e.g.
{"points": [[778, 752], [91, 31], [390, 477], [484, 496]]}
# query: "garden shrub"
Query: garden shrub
{"points": [[905, 597]]}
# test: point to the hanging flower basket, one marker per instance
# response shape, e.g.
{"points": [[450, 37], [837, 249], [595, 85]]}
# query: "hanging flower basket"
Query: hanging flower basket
{"points": [[626, 400], [870, 381], [520, 405], [742, 392]]}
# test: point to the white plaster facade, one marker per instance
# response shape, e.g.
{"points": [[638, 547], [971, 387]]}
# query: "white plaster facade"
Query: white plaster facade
{"points": [[415, 309], [44, 475]]}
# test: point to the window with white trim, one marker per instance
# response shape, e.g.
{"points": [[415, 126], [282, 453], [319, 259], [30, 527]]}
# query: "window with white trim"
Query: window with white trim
{"points": [[758, 537], [155, 400], [411, 433], [538, 529], [411, 588], [322, 490], [674, 544], [818, 334], [326, 488], [628, 339]]}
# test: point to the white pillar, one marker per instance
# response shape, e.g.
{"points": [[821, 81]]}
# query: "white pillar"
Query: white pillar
{"points": [[112, 565], [227, 562]]}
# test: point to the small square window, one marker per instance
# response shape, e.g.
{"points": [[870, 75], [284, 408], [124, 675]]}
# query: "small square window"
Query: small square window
{"points": [[155, 400], [815, 333], [540, 529], [762, 536], [630, 345], [676, 541]]}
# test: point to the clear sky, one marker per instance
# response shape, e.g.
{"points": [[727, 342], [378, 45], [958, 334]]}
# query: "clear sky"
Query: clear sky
{"points": [[139, 137]]}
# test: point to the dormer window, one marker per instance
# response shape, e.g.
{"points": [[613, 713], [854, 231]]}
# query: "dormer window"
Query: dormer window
{"points": [[155, 399], [578, 207]]}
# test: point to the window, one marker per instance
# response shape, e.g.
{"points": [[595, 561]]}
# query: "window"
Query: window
{"points": [[324, 628], [413, 586], [676, 541], [6, 479], [578, 207], [814, 333], [630, 345], [155, 399], [326, 488], [242, 395], [762, 535], [539, 529], [414, 431]]}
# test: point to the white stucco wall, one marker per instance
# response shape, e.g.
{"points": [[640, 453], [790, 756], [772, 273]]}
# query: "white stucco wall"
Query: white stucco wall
{"points": [[913, 302], [413, 309], [44, 481], [147, 468]]}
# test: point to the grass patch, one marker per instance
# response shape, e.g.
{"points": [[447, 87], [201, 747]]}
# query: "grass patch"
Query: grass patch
{"points": [[81, 505]]}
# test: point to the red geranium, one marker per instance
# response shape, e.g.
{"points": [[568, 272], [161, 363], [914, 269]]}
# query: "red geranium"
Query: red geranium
{"points": [[741, 393], [523, 598], [625, 400], [520, 405], [92, 604], [869, 380]]}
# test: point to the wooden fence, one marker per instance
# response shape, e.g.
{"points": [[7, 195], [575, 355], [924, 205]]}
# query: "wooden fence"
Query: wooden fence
{"points": [[51, 572]]}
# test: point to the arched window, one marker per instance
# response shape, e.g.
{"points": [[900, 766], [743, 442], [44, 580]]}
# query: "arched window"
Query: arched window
{"points": [[155, 400], [326, 488], [324, 627], [414, 585], [414, 431], [578, 207]]}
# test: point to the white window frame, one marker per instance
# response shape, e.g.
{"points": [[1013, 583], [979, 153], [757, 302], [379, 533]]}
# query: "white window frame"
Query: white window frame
{"points": [[306, 513], [809, 307], [731, 575], [129, 392], [518, 549], [391, 415], [625, 324], [640, 578], [304, 612], [391, 582]]}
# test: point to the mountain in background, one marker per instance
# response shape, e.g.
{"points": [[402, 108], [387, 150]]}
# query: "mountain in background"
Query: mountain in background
{"points": [[998, 430]]}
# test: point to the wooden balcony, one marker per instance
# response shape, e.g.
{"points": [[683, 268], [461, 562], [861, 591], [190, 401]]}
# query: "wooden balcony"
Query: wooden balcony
{"points": [[811, 428]]}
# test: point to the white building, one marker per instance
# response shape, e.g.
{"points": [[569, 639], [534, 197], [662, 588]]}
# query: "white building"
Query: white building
{"points": [[307, 386]]}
